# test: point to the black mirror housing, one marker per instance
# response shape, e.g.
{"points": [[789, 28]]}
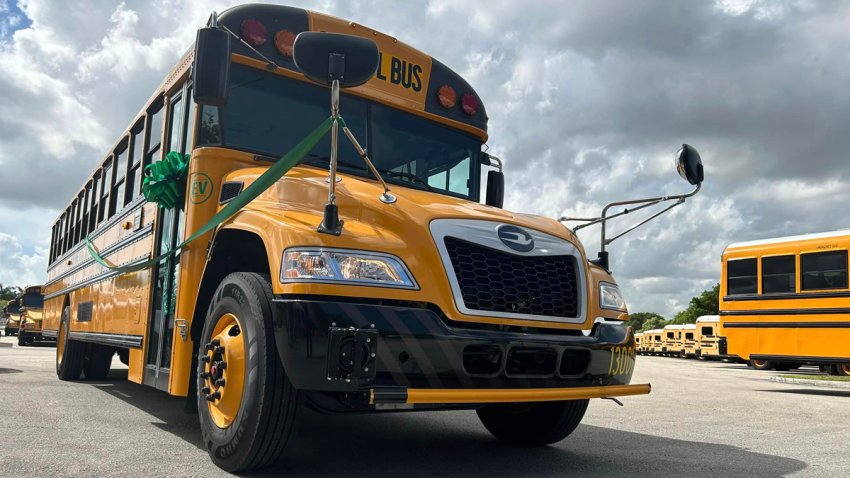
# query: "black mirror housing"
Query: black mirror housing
{"points": [[211, 72], [689, 164], [325, 57], [495, 189]]}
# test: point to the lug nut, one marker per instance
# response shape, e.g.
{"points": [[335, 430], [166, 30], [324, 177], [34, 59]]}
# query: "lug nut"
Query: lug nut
{"points": [[221, 365], [205, 375], [205, 390], [219, 349], [205, 358], [219, 382]]}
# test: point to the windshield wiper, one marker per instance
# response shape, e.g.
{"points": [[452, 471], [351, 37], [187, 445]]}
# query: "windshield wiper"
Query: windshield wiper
{"points": [[409, 176]]}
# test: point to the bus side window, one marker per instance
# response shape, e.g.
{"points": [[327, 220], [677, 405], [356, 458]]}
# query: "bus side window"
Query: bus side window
{"points": [[209, 129], [137, 149], [689, 335], [707, 331], [117, 197], [94, 201], [175, 122], [105, 186], [824, 270], [741, 276], [154, 135], [778, 274]]}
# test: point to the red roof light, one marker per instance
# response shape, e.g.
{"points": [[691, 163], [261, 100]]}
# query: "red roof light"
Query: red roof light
{"points": [[254, 33], [469, 104]]}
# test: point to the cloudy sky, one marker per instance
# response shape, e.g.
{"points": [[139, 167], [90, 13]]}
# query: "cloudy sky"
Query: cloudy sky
{"points": [[588, 102]]}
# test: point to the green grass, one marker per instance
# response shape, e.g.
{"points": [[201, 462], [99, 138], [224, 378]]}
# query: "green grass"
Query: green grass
{"points": [[828, 378]]}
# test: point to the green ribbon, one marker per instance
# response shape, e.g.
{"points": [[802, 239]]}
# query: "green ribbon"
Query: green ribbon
{"points": [[261, 184], [162, 179]]}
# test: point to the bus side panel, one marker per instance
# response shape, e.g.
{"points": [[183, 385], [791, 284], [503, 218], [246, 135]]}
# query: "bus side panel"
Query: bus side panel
{"points": [[193, 258], [776, 341], [824, 342]]}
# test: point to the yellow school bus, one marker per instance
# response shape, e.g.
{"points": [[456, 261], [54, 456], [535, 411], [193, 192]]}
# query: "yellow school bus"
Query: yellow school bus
{"points": [[689, 341], [640, 343], [12, 314], [710, 338], [786, 301], [261, 267], [672, 340], [654, 341], [32, 305]]}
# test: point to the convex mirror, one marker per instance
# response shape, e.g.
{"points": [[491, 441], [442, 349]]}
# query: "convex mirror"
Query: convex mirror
{"points": [[325, 57], [689, 164]]}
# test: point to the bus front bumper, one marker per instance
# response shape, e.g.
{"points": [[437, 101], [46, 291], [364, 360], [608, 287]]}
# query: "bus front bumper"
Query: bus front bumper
{"points": [[413, 355]]}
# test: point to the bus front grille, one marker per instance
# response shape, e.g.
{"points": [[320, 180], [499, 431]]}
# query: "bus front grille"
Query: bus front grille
{"points": [[494, 281]]}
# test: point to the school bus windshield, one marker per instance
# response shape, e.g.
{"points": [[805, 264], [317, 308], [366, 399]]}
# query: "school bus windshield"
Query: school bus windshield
{"points": [[33, 300], [268, 114]]}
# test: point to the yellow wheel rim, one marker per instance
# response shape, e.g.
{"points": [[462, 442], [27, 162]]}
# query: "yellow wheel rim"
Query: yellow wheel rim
{"points": [[845, 369], [60, 344], [759, 363], [224, 370]]}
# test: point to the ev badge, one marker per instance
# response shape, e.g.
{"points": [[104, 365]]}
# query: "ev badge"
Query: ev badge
{"points": [[515, 238]]}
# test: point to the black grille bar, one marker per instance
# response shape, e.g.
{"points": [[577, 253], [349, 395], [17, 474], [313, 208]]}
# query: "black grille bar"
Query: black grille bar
{"points": [[495, 281]]}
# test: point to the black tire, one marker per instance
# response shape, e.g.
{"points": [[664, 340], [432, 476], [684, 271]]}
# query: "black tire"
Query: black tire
{"points": [[842, 370], [69, 363], [270, 404], [532, 424], [98, 361], [22, 340], [762, 364]]}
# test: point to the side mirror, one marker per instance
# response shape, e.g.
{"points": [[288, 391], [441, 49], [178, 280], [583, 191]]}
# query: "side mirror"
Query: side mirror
{"points": [[211, 74], [689, 164], [325, 57], [495, 189]]}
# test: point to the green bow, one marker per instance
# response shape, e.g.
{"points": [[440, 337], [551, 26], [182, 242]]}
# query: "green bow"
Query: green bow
{"points": [[161, 183]]}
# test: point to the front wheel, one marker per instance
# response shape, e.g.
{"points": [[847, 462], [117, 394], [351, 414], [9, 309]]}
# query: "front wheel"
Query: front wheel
{"points": [[540, 423], [22, 340], [246, 405], [69, 353]]}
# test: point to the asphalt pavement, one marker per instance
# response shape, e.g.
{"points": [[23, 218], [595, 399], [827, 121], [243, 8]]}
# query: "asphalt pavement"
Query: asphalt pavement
{"points": [[701, 419]]}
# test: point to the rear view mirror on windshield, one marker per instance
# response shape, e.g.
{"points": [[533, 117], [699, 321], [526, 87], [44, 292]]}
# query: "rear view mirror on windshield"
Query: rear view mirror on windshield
{"points": [[325, 57]]}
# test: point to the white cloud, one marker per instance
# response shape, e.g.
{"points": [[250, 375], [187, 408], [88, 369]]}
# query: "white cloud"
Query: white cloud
{"points": [[587, 104]]}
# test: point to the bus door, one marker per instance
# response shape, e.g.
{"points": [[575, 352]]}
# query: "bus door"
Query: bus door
{"points": [[169, 234]]}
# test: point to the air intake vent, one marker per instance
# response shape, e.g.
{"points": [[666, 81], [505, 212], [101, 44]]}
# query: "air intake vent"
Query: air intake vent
{"points": [[229, 190]]}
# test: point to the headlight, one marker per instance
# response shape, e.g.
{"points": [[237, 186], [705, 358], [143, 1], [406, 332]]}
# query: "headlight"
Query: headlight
{"points": [[610, 297], [344, 266]]}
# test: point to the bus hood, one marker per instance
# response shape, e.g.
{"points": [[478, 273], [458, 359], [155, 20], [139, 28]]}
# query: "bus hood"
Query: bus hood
{"points": [[304, 191]]}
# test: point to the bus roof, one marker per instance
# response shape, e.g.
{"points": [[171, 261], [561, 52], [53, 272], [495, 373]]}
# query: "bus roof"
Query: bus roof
{"points": [[689, 326], [789, 239], [708, 319], [406, 78], [674, 327]]}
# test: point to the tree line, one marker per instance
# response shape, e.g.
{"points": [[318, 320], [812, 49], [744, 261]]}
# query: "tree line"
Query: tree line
{"points": [[707, 303]]}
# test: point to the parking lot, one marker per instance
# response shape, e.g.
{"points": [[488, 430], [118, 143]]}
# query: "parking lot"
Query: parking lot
{"points": [[702, 419]]}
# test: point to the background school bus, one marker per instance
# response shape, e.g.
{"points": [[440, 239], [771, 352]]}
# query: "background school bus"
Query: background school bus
{"points": [[785, 301]]}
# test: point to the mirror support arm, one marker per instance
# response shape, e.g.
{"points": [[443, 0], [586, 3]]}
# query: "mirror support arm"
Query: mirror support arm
{"points": [[642, 203]]}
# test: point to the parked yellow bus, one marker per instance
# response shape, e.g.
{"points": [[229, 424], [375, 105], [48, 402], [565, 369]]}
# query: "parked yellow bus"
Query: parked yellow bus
{"points": [[710, 339], [786, 301], [689, 341], [672, 340], [32, 309], [640, 343], [12, 314], [347, 281], [654, 342]]}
